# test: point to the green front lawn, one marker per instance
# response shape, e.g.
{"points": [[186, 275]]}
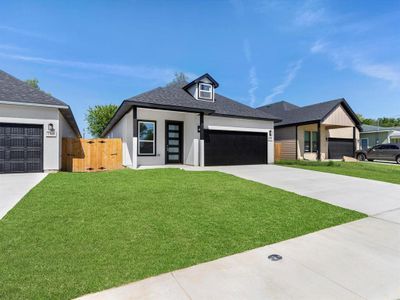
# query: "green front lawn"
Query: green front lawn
{"points": [[375, 171], [79, 233]]}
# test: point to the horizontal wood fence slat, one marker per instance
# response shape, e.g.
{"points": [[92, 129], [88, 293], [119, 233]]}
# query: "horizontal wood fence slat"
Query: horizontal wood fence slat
{"points": [[91, 155]]}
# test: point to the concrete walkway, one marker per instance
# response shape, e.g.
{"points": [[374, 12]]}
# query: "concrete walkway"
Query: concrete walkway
{"points": [[368, 196], [13, 187], [357, 260]]}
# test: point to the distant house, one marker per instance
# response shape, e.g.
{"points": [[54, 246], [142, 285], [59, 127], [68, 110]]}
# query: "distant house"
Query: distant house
{"points": [[373, 135], [32, 125], [326, 130]]}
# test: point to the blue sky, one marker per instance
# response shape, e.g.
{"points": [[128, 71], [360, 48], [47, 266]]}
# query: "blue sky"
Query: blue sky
{"points": [[87, 52]]}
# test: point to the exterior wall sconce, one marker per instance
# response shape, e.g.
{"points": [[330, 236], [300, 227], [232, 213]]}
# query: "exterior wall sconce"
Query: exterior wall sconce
{"points": [[50, 132]]}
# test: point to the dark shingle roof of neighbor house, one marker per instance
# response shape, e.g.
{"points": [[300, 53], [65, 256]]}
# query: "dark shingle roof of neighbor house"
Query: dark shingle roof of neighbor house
{"points": [[292, 114], [177, 98], [13, 90], [373, 128]]}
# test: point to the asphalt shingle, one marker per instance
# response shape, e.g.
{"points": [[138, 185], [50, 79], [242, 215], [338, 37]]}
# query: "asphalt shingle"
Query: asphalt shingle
{"points": [[13, 90]]}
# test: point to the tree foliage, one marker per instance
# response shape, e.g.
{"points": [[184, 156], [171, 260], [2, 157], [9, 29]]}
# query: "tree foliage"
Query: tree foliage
{"points": [[33, 83], [179, 80], [384, 121], [97, 118]]}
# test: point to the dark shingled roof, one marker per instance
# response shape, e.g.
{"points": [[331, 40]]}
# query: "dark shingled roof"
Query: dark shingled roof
{"points": [[13, 90], [278, 107], [176, 98], [312, 113]]}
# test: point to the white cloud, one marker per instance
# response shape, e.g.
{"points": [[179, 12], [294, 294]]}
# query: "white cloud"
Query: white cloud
{"points": [[385, 72], [27, 33], [355, 60], [318, 47], [310, 13], [253, 85], [247, 50], [290, 75], [11, 47], [143, 72]]}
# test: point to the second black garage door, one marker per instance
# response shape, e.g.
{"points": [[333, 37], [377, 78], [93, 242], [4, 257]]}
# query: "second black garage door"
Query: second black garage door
{"points": [[234, 148], [21, 148], [337, 148]]}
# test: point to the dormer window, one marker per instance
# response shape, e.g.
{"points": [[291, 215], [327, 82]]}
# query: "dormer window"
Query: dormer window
{"points": [[205, 91]]}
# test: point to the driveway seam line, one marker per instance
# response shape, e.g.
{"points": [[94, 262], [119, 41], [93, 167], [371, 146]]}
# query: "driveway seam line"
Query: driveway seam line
{"points": [[180, 285]]}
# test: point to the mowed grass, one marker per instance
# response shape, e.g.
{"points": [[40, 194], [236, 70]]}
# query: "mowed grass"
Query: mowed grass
{"points": [[79, 233], [374, 171]]}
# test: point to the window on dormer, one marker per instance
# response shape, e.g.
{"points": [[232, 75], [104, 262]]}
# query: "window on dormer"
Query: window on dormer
{"points": [[205, 91]]}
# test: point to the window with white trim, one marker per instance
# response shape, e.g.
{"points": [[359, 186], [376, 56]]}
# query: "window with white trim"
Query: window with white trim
{"points": [[205, 91], [310, 141], [147, 138]]}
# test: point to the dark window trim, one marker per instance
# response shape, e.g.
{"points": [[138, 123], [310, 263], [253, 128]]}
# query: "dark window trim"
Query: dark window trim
{"points": [[155, 138], [312, 150]]}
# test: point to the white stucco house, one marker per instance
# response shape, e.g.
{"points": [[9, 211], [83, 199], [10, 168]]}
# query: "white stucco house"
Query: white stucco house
{"points": [[32, 125], [191, 125]]}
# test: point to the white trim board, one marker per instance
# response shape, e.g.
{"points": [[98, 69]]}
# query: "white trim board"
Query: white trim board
{"points": [[230, 128], [33, 104]]}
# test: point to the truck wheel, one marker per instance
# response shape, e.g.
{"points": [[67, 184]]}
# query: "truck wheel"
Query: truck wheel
{"points": [[361, 157]]}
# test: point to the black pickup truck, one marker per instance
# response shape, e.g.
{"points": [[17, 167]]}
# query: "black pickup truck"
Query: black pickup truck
{"points": [[380, 152]]}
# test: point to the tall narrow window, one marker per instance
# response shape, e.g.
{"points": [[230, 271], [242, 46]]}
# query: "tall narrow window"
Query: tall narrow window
{"points": [[307, 141], [205, 91], [310, 141], [147, 138], [314, 140]]}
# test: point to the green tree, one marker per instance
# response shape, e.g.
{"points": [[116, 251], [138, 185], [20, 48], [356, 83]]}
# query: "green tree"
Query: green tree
{"points": [[33, 83], [97, 118], [180, 79], [383, 122]]}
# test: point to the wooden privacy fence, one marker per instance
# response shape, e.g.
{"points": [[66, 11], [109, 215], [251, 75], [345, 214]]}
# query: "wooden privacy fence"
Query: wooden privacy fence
{"points": [[278, 151], [91, 155]]}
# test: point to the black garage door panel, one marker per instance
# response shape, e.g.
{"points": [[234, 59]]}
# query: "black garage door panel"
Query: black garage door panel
{"points": [[337, 148], [21, 148], [234, 148]]}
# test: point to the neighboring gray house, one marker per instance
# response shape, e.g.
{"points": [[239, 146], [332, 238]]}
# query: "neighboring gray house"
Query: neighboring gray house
{"points": [[373, 135], [326, 130], [32, 125], [191, 125]]}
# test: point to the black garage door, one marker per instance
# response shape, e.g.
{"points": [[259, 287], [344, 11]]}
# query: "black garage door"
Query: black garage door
{"points": [[21, 148], [337, 148], [234, 148]]}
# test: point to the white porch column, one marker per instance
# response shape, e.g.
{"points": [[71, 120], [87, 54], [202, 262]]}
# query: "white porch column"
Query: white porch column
{"points": [[201, 148], [135, 139], [201, 151], [134, 153], [196, 152]]}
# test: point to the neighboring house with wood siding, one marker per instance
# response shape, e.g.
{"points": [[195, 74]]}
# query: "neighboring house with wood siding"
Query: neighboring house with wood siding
{"points": [[326, 130]]}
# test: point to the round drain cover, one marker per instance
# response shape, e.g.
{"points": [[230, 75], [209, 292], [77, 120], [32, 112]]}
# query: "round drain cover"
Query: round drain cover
{"points": [[274, 257]]}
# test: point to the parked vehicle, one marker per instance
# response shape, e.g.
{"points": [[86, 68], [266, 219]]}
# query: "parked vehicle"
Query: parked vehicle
{"points": [[380, 152]]}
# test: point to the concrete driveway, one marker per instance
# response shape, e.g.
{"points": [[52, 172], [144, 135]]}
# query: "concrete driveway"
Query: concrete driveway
{"points": [[13, 188], [368, 196], [357, 260]]}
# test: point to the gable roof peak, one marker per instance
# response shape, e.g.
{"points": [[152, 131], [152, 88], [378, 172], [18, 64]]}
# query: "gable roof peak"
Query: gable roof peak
{"points": [[199, 79]]}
